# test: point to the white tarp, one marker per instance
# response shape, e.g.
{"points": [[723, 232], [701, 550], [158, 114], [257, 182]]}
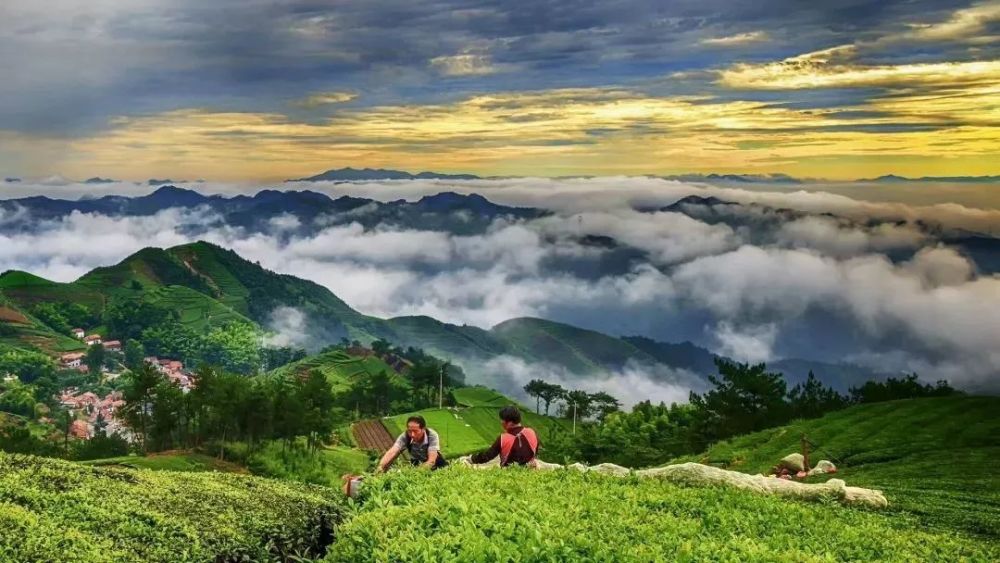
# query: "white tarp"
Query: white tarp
{"points": [[698, 475]]}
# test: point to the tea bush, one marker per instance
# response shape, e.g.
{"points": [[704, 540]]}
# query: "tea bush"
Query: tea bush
{"points": [[461, 514], [52, 510]]}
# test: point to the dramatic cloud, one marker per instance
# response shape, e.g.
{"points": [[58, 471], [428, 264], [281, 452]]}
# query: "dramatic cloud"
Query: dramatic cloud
{"points": [[633, 384], [873, 284], [738, 39]]}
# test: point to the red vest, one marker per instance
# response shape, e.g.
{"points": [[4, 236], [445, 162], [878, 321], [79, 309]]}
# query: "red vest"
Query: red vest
{"points": [[507, 441]]}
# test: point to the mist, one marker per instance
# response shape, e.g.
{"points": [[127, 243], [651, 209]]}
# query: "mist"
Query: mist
{"points": [[831, 278]]}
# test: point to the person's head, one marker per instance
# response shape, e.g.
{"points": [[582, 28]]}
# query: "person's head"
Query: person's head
{"points": [[510, 417], [415, 427]]}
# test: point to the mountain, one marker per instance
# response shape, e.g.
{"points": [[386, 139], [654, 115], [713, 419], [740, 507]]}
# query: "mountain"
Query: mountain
{"points": [[893, 178], [99, 180], [312, 211], [209, 286], [736, 178], [371, 174]]}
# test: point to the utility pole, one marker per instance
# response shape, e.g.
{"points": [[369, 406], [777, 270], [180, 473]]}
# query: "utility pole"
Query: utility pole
{"points": [[441, 385], [574, 418]]}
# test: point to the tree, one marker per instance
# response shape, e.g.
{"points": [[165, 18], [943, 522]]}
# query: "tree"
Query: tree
{"points": [[604, 404], [811, 399], [234, 347], [550, 393], [94, 360], [534, 388], [579, 404], [745, 399], [134, 354], [904, 388], [27, 365], [139, 394], [381, 347], [318, 407], [127, 319]]}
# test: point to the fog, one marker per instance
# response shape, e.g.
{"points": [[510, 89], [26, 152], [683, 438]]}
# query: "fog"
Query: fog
{"points": [[870, 283]]}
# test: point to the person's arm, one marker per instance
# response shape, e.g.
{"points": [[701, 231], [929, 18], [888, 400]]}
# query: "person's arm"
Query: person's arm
{"points": [[432, 457], [391, 454], [433, 449], [487, 454]]}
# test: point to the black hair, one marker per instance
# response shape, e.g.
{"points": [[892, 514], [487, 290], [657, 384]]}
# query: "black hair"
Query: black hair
{"points": [[418, 419], [510, 414]]}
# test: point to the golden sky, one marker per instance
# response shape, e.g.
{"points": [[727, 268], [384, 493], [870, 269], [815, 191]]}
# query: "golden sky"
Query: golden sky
{"points": [[852, 110]]}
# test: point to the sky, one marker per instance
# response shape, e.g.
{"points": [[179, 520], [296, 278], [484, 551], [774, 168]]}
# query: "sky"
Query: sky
{"points": [[265, 90]]}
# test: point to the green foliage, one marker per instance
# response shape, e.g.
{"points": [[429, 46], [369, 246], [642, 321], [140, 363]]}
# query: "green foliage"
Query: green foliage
{"points": [[64, 316], [60, 511], [134, 354], [17, 398], [128, 318], [295, 462], [905, 388], [101, 445], [934, 457], [234, 347], [460, 514], [26, 365], [94, 360]]}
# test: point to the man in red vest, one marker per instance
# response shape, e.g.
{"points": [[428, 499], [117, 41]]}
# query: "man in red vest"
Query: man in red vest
{"points": [[517, 444]]}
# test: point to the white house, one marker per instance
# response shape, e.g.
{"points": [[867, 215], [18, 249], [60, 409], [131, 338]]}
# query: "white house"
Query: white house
{"points": [[92, 339], [78, 333], [72, 360]]}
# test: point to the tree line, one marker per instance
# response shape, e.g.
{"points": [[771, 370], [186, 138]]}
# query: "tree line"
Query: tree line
{"points": [[744, 398], [226, 407]]}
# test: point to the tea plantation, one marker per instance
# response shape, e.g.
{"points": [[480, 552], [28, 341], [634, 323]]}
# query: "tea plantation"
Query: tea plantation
{"points": [[53, 510], [461, 514]]}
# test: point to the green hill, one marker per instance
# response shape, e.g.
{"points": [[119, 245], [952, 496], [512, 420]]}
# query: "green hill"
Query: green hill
{"points": [[934, 458], [579, 350], [18, 329], [54, 510], [339, 368], [478, 396]]}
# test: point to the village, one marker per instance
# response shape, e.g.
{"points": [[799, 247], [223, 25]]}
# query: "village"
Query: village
{"points": [[92, 413]]}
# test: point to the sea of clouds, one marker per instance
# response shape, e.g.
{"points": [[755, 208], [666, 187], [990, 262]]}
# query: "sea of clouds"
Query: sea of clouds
{"points": [[864, 283]]}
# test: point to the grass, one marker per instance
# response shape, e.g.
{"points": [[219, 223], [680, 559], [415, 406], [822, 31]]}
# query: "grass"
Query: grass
{"points": [[479, 397], [52, 510], [461, 514], [934, 458]]}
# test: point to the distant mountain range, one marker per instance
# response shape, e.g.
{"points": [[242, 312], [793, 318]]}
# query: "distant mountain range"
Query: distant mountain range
{"points": [[349, 174], [373, 174], [892, 178], [448, 211]]}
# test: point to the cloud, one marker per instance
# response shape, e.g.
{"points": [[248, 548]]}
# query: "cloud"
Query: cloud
{"points": [[837, 68], [738, 39], [467, 64], [869, 285], [633, 384], [289, 326], [966, 25], [325, 98], [752, 344]]}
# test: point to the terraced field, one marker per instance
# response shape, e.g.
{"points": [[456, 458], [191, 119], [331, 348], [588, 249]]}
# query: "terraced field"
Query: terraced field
{"points": [[372, 435]]}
